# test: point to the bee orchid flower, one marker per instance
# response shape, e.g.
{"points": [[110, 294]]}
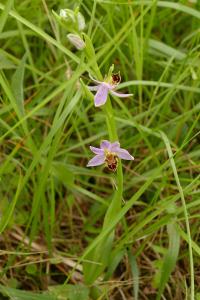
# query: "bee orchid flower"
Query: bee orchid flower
{"points": [[102, 89], [108, 153]]}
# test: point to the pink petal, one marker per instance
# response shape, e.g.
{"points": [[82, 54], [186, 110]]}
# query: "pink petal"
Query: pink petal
{"points": [[96, 150], [101, 95], [93, 88], [105, 145], [96, 161], [120, 94], [124, 154], [115, 147]]}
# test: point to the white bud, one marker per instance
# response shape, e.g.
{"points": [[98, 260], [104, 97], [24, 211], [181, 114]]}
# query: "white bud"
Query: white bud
{"points": [[74, 20], [68, 15], [63, 13], [76, 40], [81, 21]]}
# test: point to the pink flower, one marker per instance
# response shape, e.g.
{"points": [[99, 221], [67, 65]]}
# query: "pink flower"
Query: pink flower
{"points": [[108, 153], [104, 87]]}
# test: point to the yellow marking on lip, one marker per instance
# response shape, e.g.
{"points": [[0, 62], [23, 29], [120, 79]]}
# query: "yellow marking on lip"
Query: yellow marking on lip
{"points": [[107, 152]]}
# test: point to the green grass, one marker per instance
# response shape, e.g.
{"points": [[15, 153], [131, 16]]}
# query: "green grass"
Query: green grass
{"points": [[71, 232]]}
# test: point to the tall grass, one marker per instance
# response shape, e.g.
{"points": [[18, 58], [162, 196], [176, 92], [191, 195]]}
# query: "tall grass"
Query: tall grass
{"points": [[72, 232]]}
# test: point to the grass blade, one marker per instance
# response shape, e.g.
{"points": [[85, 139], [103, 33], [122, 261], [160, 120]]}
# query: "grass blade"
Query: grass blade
{"points": [[170, 258], [10, 209], [24, 295], [17, 85], [135, 274], [173, 165], [5, 13]]}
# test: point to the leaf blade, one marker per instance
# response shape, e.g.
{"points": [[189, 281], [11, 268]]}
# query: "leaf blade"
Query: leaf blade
{"points": [[17, 85]]}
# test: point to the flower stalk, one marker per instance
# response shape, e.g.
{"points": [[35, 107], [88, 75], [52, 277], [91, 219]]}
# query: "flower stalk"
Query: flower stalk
{"points": [[100, 254]]}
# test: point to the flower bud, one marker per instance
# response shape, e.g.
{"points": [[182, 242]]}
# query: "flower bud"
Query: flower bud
{"points": [[73, 21], [80, 21], [76, 40], [67, 15]]}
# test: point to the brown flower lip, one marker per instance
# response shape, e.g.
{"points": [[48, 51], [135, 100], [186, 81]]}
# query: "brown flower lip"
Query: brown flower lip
{"points": [[116, 78]]}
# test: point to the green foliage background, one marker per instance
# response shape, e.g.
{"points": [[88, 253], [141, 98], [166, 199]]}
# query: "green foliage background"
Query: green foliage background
{"points": [[52, 207]]}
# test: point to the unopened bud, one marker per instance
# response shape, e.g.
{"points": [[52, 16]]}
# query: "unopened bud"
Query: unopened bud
{"points": [[80, 21], [72, 20], [76, 40]]}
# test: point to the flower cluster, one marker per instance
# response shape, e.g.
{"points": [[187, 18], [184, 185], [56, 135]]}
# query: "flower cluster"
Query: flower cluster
{"points": [[108, 153]]}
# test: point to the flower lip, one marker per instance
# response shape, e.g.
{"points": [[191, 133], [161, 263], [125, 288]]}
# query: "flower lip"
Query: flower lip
{"points": [[116, 78]]}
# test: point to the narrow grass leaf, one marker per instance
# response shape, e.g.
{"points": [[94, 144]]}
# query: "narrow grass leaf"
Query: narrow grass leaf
{"points": [[173, 165], [195, 246], [135, 274], [17, 85], [15, 294], [170, 258], [115, 259], [4, 15], [167, 50], [97, 259], [5, 63], [10, 209], [70, 292], [62, 173], [166, 4]]}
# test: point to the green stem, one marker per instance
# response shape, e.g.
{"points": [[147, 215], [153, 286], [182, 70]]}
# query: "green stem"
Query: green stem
{"points": [[113, 136], [108, 110]]}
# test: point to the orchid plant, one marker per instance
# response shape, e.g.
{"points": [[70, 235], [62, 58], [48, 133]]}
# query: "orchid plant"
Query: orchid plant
{"points": [[109, 152]]}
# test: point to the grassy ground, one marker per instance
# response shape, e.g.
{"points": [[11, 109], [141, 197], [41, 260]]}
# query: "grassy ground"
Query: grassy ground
{"points": [[71, 232]]}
